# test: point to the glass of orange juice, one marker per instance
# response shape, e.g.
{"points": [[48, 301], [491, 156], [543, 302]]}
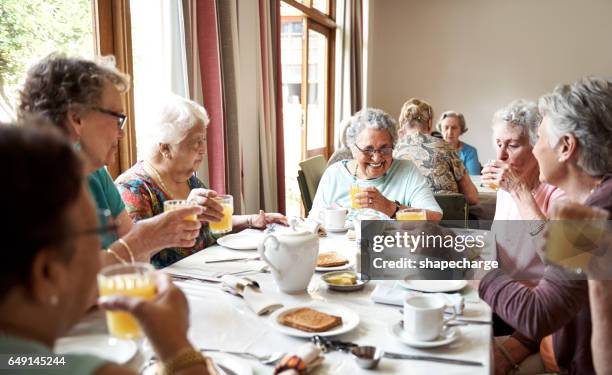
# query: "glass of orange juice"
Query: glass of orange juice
{"points": [[134, 280], [225, 225], [354, 190], [177, 204], [411, 213]]}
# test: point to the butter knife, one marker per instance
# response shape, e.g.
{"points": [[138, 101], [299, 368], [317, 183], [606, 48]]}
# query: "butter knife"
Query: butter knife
{"points": [[431, 359], [204, 279]]}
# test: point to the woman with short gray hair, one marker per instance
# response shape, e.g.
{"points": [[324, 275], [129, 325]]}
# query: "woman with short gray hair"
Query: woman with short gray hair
{"points": [[573, 152], [385, 184], [452, 125], [175, 146]]}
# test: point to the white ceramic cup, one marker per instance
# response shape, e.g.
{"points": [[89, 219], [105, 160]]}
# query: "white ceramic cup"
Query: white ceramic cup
{"points": [[334, 218], [424, 317]]}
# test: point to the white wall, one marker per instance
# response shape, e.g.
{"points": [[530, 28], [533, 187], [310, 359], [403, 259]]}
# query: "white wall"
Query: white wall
{"points": [[475, 56]]}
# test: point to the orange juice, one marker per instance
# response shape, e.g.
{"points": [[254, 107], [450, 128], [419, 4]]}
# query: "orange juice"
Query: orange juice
{"points": [[493, 186], [179, 204], [122, 324], [354, 190], [225, 225], [411, 214]]}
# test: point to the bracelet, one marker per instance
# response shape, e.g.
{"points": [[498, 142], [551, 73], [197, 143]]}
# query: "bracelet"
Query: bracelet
{"points": [[186, 358], [117, 257], [130, 253]]}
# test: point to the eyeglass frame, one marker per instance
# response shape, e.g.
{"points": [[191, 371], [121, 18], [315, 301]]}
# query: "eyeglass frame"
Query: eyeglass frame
{"points": [[121, 118], [371, 151]]}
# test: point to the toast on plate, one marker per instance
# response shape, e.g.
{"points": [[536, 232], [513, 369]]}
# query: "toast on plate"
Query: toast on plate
{"points": [[331, 259], [309, 320]]}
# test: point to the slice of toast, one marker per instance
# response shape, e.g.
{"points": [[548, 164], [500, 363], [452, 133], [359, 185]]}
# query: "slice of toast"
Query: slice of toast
{"points": [[309, 320], [331, 259]]}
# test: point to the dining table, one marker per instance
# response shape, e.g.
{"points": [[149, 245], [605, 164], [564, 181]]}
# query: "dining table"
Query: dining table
{"points": [[223, 321]]}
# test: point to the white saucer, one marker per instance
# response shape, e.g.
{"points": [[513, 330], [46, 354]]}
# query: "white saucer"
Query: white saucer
{"points": [[104, 346], [337, 230], [241, 241], [448, 336], [336, 268], [433, 286], [350, 320]]}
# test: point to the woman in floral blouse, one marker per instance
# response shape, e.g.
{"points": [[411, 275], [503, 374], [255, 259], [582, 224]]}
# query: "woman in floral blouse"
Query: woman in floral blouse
{"points": [[435, 158], [175, 147]]}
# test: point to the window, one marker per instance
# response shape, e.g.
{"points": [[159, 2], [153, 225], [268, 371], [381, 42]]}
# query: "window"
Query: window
{"points": [[30, 30], [307, 52]]}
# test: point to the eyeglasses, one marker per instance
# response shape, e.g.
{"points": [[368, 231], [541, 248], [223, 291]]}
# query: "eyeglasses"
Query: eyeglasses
{"points": [[120, 116], [370, 151]]}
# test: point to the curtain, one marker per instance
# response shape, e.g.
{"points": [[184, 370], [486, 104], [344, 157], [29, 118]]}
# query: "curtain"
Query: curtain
{"points": [[349, 65]]}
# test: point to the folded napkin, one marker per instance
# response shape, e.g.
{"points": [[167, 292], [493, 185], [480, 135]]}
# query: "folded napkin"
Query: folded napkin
{"points": [[249, 290], [391, 295], [306, 358], [299, 224]]}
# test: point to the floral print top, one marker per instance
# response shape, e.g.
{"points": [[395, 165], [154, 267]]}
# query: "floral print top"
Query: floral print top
{"points": [[436, 159], [144, 198]]}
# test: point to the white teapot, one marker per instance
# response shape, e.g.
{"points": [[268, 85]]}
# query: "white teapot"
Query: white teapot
{"points": [[292, 257]]}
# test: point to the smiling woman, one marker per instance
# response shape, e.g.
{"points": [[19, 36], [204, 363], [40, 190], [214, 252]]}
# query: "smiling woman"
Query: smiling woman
{"points": [[385, 185]]}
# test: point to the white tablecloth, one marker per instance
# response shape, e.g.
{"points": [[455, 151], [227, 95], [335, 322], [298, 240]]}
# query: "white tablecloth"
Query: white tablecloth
{"points": [[223, 321]]}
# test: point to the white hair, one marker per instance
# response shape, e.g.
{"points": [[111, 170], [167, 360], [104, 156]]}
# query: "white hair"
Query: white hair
{"points": [[522, 114], [583, 109], [372, 118], [170, 122]]}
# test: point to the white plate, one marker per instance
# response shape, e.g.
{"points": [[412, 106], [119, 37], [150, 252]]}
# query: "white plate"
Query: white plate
{"points": [[228, 364], [104, 346], [450, 335], [336, 268], [433, 286], [241, 241], [350, 320]]}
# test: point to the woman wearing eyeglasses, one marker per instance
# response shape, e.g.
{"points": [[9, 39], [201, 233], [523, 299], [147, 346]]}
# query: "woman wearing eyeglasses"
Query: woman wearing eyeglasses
{"points": [[175, 146], [386, 184], [83, 99], [436, 159]]}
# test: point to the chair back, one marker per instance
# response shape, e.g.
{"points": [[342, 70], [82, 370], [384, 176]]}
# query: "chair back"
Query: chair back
{"points": [[454, 206], [311, 169]]}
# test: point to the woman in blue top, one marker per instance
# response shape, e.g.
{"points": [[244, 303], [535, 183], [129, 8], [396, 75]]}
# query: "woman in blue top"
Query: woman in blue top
{"points": [[386, 184], [83, 99], [452, 125]]}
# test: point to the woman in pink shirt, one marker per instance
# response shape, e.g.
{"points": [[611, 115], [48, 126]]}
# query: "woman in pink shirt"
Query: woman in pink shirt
{"points": [[521, 195]]}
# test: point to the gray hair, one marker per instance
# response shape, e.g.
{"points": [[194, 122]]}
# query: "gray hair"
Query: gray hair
{"points": [[372, 118], [452, 114], [171, 121], [522, 114], [584, 109]]}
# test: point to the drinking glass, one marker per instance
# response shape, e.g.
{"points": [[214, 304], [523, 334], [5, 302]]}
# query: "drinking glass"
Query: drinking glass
{"points": [[411, 213], [178, 204], [492, 185], [225, 225], [352, 191], [134, 280], [574, 232]]}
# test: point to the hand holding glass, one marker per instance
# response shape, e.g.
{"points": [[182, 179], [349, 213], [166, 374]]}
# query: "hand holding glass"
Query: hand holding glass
{"points": [[225, 224]]}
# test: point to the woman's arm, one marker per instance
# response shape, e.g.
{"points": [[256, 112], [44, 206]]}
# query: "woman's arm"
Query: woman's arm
{"points": [[468, 189], [600, 292]]}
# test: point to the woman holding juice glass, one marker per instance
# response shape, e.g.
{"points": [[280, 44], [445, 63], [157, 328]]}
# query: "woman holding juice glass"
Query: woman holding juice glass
{"points": [[574, 152], [49, 283], [83, 99], [175, 146], [374, 179]]}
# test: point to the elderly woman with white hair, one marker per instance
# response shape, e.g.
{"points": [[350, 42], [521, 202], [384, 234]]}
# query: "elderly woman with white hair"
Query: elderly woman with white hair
{"points": [[175, 147], [386, 184], [452, 126], [574, 152]]}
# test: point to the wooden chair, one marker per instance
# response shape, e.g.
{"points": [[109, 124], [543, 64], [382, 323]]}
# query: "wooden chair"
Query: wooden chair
{"points": [[308, 178], [454, 207]]}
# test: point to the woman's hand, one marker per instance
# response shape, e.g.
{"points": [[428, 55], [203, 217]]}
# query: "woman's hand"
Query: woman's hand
{"points": [[262, 219], [165, 319], [370, 197], [498, 173], [168, 229], [211, 209]]}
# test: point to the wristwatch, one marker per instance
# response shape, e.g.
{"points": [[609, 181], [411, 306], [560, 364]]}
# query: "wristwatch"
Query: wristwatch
{"points": [[397, 208]]}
